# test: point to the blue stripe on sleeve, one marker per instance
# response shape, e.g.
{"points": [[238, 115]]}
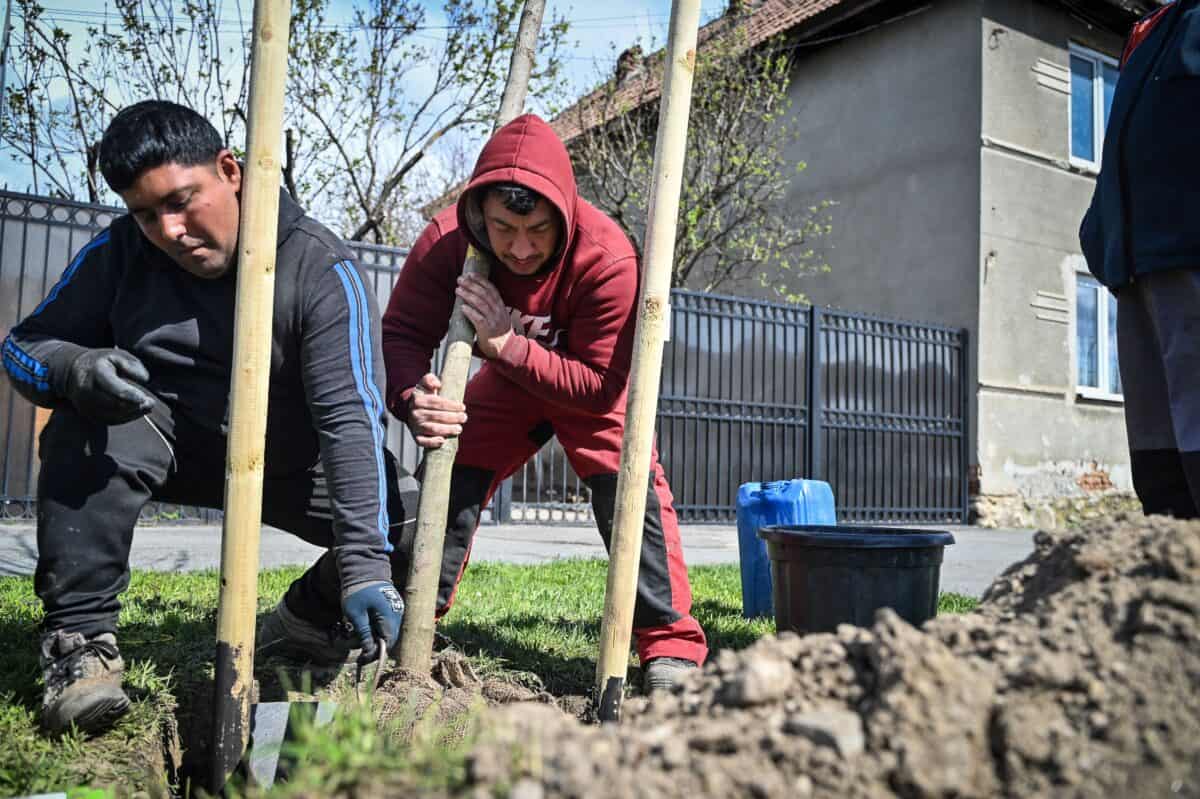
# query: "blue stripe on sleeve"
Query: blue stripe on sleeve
{"points": [[20, 364], [363, 369], [377, 406], [365, 324], [71, 270], [24, 359], [16, 363]]}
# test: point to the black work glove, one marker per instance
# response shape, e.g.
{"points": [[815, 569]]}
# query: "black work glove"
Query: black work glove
{"points": [[98, 385], [375, 611]]}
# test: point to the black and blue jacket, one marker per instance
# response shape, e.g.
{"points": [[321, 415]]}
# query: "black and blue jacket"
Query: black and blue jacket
{"points": [[326, 385], [1145, 213]]}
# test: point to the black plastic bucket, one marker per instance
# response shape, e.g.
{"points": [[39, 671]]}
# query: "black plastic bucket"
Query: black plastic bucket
{"points": [[823, 576]]}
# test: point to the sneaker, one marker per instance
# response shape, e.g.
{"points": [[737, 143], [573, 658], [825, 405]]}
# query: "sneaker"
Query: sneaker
{"points": [[663, 674], [285, 634], [83, 681]]}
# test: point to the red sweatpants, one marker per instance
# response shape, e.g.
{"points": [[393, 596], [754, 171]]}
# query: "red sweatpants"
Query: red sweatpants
{"points": [[505, 426]]}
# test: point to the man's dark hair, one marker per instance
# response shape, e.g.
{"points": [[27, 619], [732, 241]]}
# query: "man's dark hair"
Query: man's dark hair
{"points": [[152, 133], [515, 197]]}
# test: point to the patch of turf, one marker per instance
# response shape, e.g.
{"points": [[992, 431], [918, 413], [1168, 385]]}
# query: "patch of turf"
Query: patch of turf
{"points": [[950, 602], [539, 625], [30, 762], [166, 634], [352, 756], [132, 754]]}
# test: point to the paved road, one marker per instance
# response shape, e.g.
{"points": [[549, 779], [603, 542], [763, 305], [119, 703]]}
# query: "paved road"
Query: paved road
{"points": [[970, 565]]}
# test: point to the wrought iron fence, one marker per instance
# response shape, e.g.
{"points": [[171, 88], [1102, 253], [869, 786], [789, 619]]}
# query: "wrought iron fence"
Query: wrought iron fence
{"points": [[37, 237], [750, 390], [733, 402], [889, 410]]}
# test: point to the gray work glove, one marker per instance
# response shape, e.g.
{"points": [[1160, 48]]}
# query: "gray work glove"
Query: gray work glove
{"points": [[102, 385]]}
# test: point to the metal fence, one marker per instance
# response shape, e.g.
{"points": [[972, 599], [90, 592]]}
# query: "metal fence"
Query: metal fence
{"points": [[733, 402], [889, 408], [37, 238], [750, 390], [755, 391]]}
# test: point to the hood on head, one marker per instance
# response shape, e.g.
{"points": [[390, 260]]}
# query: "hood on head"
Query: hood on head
{"points": [[529, 153]]}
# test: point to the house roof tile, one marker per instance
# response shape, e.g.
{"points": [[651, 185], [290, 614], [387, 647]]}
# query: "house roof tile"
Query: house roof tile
{"points": [[766, 18]]}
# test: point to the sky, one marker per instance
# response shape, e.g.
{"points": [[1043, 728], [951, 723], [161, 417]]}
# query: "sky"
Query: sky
{"points": [[596, 26], [622, 22], [598, 31]]}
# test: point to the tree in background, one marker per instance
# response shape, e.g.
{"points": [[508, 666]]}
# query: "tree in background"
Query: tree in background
{"points": [[376, 106], [367, 112], [62, 90], [733, 224]]}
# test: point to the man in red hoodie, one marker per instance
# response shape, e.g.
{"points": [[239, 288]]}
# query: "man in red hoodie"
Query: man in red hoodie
{"points": [[555, 325]]}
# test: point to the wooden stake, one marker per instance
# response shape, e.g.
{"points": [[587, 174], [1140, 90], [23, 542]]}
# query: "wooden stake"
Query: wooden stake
{"points": [[252, 368], [652, 320], [416, 638]]}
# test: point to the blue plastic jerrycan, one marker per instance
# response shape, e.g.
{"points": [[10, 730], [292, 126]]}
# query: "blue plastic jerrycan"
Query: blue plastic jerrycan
{"points": [[776, 502]]}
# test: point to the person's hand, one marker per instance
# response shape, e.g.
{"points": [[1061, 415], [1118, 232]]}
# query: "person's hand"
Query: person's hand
{"points": [[431, 417], [375, 610], [99, 386], [484, 308]]}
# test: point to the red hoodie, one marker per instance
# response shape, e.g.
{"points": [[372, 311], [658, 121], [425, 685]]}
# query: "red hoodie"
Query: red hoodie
{"points": [[576, 312]]}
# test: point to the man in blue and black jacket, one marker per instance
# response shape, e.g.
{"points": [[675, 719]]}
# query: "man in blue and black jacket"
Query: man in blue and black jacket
{"points": [[1141, 238], [133, 350]]}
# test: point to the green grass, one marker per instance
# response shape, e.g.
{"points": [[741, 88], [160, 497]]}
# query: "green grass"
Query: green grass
{"points": [[950, 602], [31, 763], [352, 755], [166, 634], [538, 624], [545, 620]]}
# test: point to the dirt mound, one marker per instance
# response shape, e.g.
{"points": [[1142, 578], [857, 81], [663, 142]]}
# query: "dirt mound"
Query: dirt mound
{"points": [[1079, 675]]}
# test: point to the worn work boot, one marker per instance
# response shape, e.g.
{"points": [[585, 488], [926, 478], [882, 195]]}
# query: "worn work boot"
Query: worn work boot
{"points": [[662, 674], [83, 681], [285, 634]]}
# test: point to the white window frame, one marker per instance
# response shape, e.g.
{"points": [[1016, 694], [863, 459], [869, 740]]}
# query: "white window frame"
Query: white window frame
{"points": [[1106, 358], [1098, 59]]}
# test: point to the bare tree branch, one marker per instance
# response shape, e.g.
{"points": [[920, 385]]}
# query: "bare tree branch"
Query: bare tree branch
{"points": [[734, 229], [289, 162], [367, 142]]}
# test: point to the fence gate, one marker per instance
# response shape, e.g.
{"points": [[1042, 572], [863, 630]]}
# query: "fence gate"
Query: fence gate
{"points": [[733, 401], [889, 417], [750, 391], [757, 391]]}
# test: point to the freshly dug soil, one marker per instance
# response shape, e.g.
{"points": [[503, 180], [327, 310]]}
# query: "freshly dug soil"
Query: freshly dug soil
{"points": [[1078, 675], [450, 697]]}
